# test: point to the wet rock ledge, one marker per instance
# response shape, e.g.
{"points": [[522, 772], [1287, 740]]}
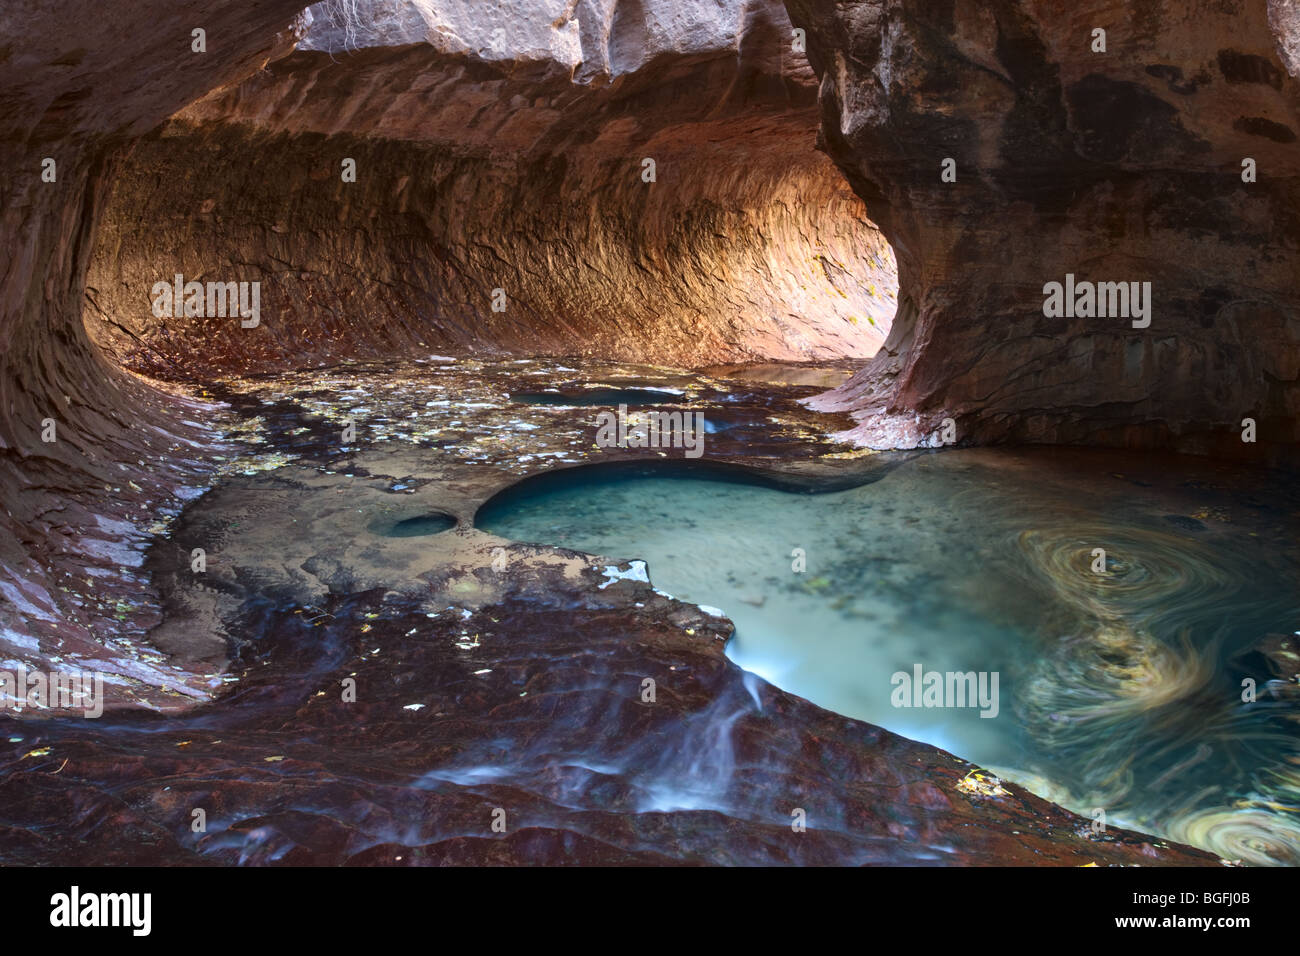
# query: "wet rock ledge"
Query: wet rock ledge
{"points": [[387, 698]]}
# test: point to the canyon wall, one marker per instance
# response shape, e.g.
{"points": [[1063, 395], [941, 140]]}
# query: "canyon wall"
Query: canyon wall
{"points": [[89, 457], [608, 179], [1124, 165]]}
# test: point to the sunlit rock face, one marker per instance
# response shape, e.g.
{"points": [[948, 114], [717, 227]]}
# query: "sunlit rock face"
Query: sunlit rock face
{"points": [[630, 181], [88, 457], [1124, 165]]}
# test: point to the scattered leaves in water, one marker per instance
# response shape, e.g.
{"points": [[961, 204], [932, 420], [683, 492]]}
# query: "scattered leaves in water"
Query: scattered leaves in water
{"points": [[982, 784]]}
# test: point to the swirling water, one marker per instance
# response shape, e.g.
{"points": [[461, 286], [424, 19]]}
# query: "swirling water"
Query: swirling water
{"points": [[1157, 686]]}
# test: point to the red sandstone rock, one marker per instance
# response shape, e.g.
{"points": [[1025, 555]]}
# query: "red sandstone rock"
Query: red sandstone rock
{"points": [[1116, 166], [1127, 170]]}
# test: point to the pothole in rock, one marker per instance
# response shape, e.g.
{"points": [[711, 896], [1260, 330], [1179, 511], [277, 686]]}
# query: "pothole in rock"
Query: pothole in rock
{"points": [[416, 527]]}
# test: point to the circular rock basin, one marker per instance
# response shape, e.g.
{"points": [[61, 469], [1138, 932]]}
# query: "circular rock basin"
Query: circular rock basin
{"points": [[1097, 685], [415, 527]]}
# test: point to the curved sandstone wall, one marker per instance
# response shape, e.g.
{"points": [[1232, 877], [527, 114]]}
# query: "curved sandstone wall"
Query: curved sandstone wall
{"points": [[88, 456], [498, 152], [1123, 165], [495, 148]]}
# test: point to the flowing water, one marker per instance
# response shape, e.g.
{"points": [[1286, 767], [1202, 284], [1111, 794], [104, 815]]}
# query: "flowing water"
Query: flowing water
{"points": [[1123, 680], [340, 562]]}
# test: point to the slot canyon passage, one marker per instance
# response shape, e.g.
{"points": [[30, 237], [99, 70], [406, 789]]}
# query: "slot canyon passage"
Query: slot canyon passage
{"points": [[610, 431]]}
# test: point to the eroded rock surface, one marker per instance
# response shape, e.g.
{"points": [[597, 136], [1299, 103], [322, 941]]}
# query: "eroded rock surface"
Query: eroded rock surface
{"points": [[90, 459], [463, 188], [709, 773], [503, 148], [1117, 166], [393, 697]]}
